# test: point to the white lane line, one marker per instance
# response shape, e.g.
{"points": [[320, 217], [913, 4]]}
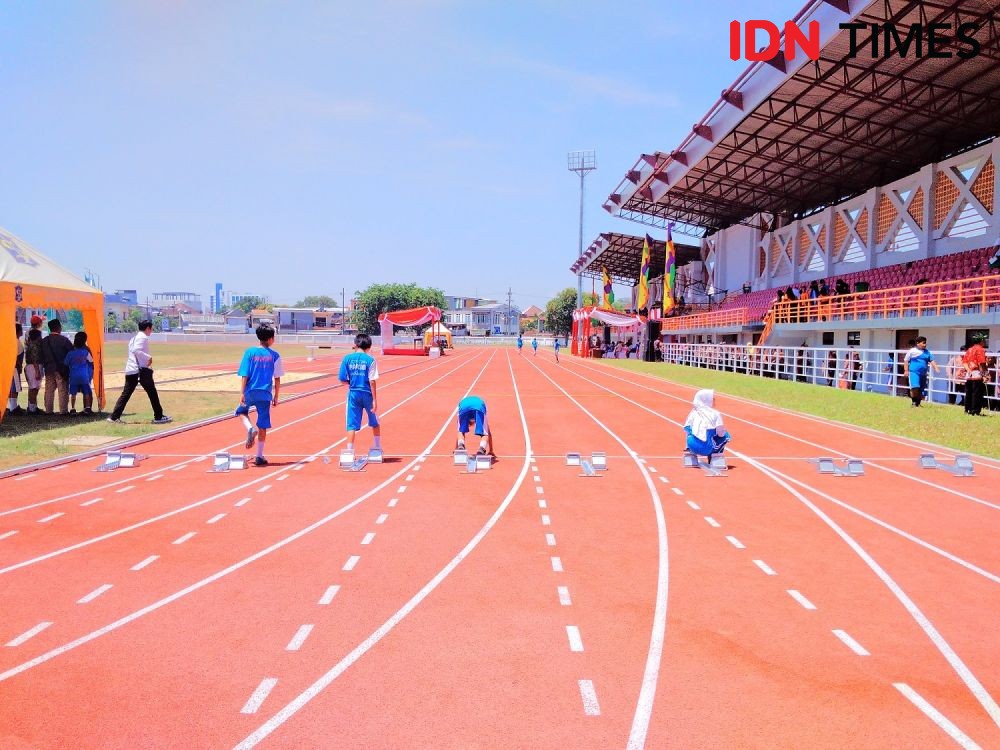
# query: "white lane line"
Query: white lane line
{"points": [[23, 477], [30, 634], [91, 502], [550, 540], [546, 521], [401, 490], [351, 562], [148, 561], [590, 705], [736, 542], [712, 522], [801, 599], [693, 505], [182, 539], [537, 478], [8, 534], [299, 638], [382, 518], [557, 565], [264, 488], [216, 518], [59, 468], [418, 467], [652, 470], [179, 468], [765, 567], [575, 641], [410, 477], [329, 594], [125, 489], [564, 598], [368, 537], [283, 477], [392, 503], [677, 490], [241, 503], [534, 468], [542, 504], [936, 716], [300, 467], [155, 477], [94, 594], [664, 479], [540, 490], [851, 643], [53, 517], [259, 695]]}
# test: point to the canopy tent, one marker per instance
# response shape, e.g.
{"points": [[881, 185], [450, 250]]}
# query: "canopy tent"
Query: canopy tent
{"points": [[581, 325], [405, 318], [436, 332], [29, 279]]}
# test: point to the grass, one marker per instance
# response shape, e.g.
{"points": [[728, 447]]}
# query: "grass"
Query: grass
{"points": [[185, 355], [942, 424]]}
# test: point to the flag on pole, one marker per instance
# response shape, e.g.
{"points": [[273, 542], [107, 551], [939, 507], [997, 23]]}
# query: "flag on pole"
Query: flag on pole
{"points": [[642, 300], [669, 274], [609, 293]]}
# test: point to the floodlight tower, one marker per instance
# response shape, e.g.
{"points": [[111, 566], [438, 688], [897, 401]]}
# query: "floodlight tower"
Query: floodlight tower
{"points": [[581, 162]]}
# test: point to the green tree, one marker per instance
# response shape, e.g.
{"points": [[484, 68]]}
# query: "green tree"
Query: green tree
{"points": [[559, 311], [111, 322], [380, 298], [129, 325], [317, 300]]}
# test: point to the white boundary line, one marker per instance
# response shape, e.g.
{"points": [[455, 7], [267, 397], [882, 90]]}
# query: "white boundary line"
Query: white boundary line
{"points": [[936, 716]]}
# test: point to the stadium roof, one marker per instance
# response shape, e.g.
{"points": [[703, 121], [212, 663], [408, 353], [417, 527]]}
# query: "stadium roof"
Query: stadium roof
{"points": [[621, 254], [793, 136]]}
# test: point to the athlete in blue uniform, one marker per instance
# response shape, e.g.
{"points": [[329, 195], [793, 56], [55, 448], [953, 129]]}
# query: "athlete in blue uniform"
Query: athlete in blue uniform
{"points": [[260, 366], [534, 345], [520, 343], [916, 364], [472, 414], [556, 346], [360, 371]]}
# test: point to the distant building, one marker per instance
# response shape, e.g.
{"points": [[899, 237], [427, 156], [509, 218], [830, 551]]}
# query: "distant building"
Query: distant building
{"points": [[530, 318], [130, 296], [166, 299], [458, 315], [227, 299], [495, 319], [118, 304]]}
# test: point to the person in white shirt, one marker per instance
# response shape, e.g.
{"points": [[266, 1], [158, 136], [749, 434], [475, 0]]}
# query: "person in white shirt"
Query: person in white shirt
{"points": [[139, 371]]}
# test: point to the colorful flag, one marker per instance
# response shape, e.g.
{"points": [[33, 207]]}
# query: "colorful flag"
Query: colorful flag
{"points": [[642, 300], [669, 274], [609, 293]]}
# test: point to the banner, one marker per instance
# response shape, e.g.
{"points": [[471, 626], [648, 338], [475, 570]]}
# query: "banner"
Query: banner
{"points": [[669, 274], [608, 302], [642, 301]]}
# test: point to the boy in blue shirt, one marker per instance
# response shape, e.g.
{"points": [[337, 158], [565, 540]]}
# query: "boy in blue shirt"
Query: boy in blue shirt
{"points": [[472, 413], [915, 366], [360, 371], [534, 345], [81, 370], [520, 343], [259, 367], [556, 347]]}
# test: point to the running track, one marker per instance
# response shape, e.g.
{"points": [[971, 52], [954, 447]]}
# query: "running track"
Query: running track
{"points": [[412, 605]]}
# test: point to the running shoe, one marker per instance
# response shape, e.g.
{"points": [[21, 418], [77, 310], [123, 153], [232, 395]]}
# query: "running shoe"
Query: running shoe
{"points": [[260, 461], [251, 437], [163, 420]]}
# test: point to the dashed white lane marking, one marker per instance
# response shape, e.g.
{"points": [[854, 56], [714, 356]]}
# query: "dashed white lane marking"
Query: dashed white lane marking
{"points": [[542, 503], [182, 539], [368, 537], [94, 594], [557, 565], [693, 505], [382, 518], [59, 468], [801, 599], [392, 503], [23, 477], [677, 490], [651, 470], [418, 467], [851, 643], [155, 477], [540, 490], [401, 490], [216, 518], [91, 502], [589, 696], [564, 598], [664, 479], [53, 517], [299, 638], [264, 488], [546, 521], [575, 641], [537, 478], [736, 542], [300, 467], [534, 468], [283, 477], [259, 695], [550, 539], [125, 489], [765, 567], [936, 716], [351, 562], [410, 477], [8, 534], [532, 460], [329, 594], [712, 522], [30, 634], [148, 561], [241, 503]]}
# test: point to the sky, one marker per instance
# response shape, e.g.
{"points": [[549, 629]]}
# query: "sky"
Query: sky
{"points": [[298, 148]]}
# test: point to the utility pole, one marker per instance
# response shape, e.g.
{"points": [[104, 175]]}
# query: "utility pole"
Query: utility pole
{"points": [[508, 315], [343, 313], [581, 162]]}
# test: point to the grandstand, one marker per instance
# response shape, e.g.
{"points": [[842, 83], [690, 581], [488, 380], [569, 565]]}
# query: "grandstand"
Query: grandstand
{"points": [[878, 172]]}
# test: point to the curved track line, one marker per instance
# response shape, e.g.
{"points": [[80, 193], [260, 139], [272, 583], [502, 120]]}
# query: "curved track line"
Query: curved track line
{"points": [[654, 656], [199, 503], [122, 621], [297, 703], [961, 669]]}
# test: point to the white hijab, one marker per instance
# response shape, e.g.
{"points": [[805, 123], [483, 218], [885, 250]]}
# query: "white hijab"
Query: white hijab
{"points": [[703, 416]]}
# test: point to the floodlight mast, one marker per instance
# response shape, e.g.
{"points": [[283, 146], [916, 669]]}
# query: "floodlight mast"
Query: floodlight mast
{"points": [[581, 162]]}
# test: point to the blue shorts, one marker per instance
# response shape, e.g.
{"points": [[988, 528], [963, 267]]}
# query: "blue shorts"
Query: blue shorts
{"points": [[481, 425], [918, 379], [358, 402], [263, 407], [712, 444], [84, 388]]}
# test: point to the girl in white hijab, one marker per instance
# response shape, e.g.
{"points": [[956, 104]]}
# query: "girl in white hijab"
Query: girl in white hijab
{"points": [[705, 432]]}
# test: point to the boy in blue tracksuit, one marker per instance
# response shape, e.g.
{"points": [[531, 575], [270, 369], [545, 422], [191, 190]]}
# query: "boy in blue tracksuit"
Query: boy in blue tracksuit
{"points": [[80, 363], [259, 367], [556, 347], [472, 414], [520, 343], [360, 371], [915, 366], [534, 346]]}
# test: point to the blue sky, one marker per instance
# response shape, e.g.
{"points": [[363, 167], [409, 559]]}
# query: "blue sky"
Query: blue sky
{"points": [[298, 148]]}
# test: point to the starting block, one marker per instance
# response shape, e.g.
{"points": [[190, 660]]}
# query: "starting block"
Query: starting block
{"points": [[598, 462], [117, 460], [459, 458], [349, 463], [714, 467], [227, 462], [572, 459], [375, 456], [853, 467], [478, 462], [961, 468]]}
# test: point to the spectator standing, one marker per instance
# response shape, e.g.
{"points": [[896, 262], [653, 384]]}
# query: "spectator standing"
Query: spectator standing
{"points": [[916, 364], [55, 347], [956, 372], [139, 371], [974, 361], [747, 288], [15, 384], [80, 363], [33, 372]]}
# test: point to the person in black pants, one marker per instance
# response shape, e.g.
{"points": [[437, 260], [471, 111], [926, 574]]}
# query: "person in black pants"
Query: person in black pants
{"points": [[139, 371]]}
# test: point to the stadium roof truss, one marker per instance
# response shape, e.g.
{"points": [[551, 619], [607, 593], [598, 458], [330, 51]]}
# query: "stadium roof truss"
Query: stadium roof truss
{"points": [[790, 137], [621, 255]]}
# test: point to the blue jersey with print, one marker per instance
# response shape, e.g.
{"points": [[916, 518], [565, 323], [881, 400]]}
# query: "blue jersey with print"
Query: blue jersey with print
{"points": [[260, 366], [79, 363], [355, 369], [920, 362]]}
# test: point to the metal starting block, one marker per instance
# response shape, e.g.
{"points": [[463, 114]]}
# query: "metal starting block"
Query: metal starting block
{"points": [[961, 468], [598, 462], [375, 456], [572, 459], [349, 463], [477, 463], [853, 467], [714, 467], [117, 460], [228, 462], [459, 458]]}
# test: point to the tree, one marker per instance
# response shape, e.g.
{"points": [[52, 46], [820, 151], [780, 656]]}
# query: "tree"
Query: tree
{"points": [[317, 300], [559, 311], [380, 298], [252, 303]]}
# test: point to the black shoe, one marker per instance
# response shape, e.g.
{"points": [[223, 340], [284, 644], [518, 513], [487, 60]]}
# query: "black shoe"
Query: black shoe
{"points": [[260, 461], [481, 452], [163, 420]]}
